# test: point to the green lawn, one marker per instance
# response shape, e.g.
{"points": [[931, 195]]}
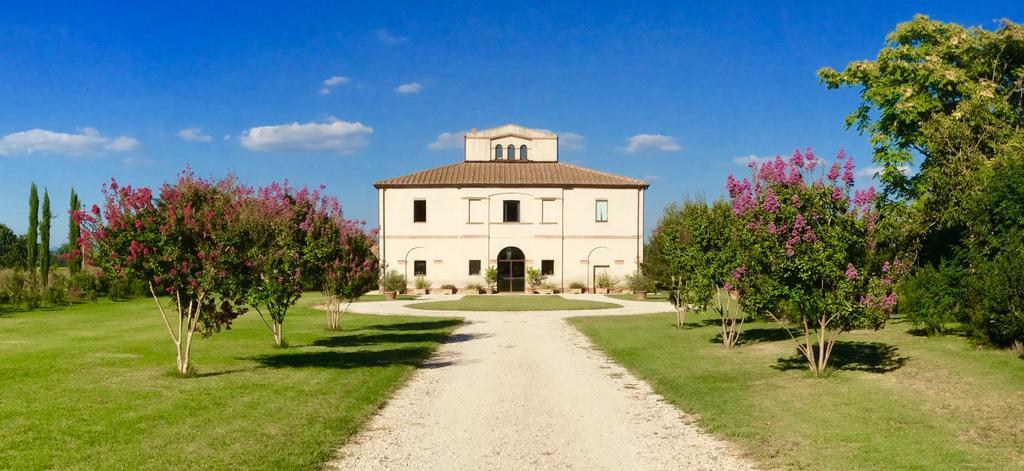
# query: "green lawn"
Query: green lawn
{"points": [[655, 297], [90, 387], [525, 302], [895, 401]]}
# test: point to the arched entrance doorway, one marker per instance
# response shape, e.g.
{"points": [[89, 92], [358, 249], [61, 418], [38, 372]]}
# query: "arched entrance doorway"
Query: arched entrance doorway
{"points": [[511, 270]]}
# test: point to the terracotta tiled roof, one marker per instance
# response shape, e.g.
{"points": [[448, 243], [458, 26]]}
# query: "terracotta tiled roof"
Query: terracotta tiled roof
{"points": [[510, 174]]}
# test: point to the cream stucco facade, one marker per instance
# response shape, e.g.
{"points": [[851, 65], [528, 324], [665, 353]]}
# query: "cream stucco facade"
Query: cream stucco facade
{"points": [[450, 224]]}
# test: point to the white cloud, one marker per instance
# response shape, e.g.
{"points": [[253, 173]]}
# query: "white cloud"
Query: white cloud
{"points": [[448, 140], [87, 141], [570, 141], [332, 82], [407, 88], [747, 159], [652, 177], [874, 172], [194, 135], [227, 137], [334, 135], [652, 142], [386, 37]]}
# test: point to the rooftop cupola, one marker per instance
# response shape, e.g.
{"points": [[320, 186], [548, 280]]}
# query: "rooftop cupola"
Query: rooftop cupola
{"points": [[511, 143]]}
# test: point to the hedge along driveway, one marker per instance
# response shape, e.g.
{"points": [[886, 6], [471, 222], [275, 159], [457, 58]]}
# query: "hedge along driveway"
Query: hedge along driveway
{"points": [[896, 401], [91, 386]]}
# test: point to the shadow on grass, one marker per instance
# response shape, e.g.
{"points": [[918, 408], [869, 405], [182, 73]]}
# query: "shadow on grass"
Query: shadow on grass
{"points": [[413, 356], [869, 357], [424, 325], [756, 335], [356, 339]]}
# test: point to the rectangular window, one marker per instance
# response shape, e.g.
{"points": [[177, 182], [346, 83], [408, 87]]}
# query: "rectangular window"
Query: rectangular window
{"points": [[476, 211], [474, 267], [547, 267], [511, 211], [601, 211], [548, 211], [419, 211], [419, 267]]}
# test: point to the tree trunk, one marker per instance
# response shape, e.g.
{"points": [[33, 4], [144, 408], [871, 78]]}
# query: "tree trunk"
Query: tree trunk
{"points": [[681, 315], [278, 329]]}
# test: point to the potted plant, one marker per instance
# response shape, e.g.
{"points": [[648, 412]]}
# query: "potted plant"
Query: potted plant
{"points": [[576, 287], [421, 285], [534, 278], [546, 288], [603, 284], [491, 276], [447, 289], [392, 283], [638, 284], [473, 288]]}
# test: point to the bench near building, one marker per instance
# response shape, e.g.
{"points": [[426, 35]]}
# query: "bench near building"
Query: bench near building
{"points": [[512, 205]]}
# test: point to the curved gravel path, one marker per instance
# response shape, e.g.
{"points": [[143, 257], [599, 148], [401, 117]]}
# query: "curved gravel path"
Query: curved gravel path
{"points": [[524, 390]]}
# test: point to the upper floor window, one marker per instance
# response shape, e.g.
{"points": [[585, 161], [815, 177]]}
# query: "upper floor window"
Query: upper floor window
{"points": [[511, 152], [510, 211], [419, 211], [601, 211], [497, 152], [522, 152]]}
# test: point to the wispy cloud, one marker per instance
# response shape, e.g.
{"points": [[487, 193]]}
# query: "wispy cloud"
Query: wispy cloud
{"points": [[874, 172], [87, 141], [194, 135], [448, 140], [387, 37], [331, 83], [407, 88], [652, 142], [570, 141], [333, 136], [752, 158]]}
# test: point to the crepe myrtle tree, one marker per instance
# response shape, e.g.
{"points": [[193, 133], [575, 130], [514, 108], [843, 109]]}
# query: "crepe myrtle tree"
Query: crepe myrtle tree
{"points": [[810, 253], [351, 268], [181, 243], [291, 233]]}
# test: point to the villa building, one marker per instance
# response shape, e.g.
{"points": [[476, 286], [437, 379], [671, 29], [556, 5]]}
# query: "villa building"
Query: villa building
{"points": [[511, 204]]}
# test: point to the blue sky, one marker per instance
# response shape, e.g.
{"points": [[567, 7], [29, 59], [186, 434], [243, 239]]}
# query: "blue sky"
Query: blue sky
{"points": [[90, 92]]}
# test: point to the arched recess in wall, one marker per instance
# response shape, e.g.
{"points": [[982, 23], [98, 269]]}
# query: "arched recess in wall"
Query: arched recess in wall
{"points": [[599, 258], [418, 252]]}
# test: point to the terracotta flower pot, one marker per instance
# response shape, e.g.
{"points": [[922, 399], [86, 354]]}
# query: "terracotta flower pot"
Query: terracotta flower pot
{"points": [[390, 295], [488, 290], [601, 290], [640, 295]]}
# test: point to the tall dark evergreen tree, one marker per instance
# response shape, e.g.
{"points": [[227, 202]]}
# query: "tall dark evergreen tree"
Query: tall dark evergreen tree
{"points": [[31, 236], [74, 261], [44, 239]]}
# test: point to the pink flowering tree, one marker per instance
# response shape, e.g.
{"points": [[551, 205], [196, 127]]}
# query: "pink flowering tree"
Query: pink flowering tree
{"points": [[181, 243], [351, 268], [809, 251], [293, 232]]}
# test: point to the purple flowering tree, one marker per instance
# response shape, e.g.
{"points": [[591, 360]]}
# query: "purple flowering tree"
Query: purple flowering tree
{"points": [[351, 268], [292, 232], [182, 243], [809, 251]]}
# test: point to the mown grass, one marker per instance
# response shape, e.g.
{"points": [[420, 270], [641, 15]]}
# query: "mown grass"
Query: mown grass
{"points": [[380, 297], [893, 401], [654, 297], [526, 302], [91, 387]]}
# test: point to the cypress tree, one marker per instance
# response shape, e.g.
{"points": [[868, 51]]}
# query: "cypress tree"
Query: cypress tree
{"points": [[30, 238], [74, 262], [44, 239]]}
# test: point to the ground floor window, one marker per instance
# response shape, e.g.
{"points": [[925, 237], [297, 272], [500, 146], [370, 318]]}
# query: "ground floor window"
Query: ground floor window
{"points": [[547, 267], [419, 268], [474, 267]]}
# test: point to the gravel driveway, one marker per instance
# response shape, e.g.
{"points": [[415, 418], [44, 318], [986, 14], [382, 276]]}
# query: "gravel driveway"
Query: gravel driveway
{"points": [[514, 390]]}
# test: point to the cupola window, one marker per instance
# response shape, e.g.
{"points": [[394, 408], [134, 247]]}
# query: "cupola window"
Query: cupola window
{"points": [[522, 152], [497, 152], [511, 152]]}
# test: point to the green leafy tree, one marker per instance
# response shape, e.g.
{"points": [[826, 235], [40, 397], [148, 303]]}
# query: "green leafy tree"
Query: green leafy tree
{"points": [[12, 248], [31, 237], [534, 278], [74, 253], [44, 240]]}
